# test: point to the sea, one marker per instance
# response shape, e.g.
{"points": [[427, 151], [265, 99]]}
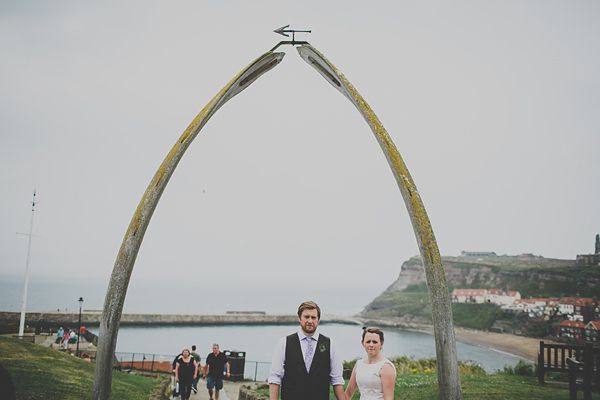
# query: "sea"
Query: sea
{"points": [[257, 342]]}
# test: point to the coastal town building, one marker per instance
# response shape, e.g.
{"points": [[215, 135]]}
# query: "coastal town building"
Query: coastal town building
{"points": [[592, 332], [507, 298], [565, 308], [494, 296], [580, 308], [574, 330], [478, 254], [501, 298], [469, 295], [587, 260], [533, 307]]}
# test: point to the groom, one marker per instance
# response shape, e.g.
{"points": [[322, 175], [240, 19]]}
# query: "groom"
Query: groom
{"points": [[305, 363]]}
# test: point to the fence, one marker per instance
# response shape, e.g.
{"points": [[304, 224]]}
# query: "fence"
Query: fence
{"points": [[257, 371]]}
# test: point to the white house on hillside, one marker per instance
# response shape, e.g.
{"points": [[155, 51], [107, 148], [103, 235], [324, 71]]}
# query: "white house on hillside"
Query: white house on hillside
{"points": [[497, 296], [469, 295]]}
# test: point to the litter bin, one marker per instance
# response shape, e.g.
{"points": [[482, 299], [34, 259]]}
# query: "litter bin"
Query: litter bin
{"points": [[237, 361]]}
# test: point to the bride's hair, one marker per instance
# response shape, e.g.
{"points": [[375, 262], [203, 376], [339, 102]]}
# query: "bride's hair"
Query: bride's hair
{"points": [[372, 330]]}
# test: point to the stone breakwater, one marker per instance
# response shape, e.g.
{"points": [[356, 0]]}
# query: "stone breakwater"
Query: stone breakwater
{"points": [[71, 318]]}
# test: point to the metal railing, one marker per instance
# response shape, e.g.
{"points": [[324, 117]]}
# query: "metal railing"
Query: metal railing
{"points": [[257, 371]]}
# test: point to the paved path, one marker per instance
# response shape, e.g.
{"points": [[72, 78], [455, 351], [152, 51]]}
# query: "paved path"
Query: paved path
{"points": [[230, 390]]}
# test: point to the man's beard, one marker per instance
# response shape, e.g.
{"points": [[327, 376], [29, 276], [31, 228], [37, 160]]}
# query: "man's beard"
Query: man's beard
{"points": [[309, 330]]}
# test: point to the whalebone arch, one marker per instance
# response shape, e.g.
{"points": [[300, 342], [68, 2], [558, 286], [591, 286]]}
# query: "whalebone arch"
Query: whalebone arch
{"points": [[448, 378]]}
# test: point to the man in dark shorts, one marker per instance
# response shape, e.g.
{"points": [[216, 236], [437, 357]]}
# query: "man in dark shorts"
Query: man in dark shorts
{"points": [[216, 367]]}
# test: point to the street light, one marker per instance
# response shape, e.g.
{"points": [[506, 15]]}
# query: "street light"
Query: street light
{"points": [[79, 329]]}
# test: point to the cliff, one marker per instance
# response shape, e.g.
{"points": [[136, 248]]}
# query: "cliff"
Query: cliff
{"points": [[406, 299]]}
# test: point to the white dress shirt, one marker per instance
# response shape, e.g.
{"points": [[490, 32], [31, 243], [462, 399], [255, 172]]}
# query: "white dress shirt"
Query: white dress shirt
{"points": [[277, 369]]}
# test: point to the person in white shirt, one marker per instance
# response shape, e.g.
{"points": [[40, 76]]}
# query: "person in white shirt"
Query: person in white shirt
{"points": [[375, 375], [306, 363]]}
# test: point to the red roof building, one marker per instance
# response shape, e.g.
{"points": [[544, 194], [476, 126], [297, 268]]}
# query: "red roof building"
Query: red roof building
{"points": [[572, 329], [592, 332], [469, 295], [580, 307]]}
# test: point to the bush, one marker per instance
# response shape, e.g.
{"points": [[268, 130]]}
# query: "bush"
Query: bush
{"points": [[522, 369], [470, 368], [350, 364], [408, 365]]}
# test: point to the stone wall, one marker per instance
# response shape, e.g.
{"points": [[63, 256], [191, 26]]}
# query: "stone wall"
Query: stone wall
{"points": [[71, 318], [247, 392]]}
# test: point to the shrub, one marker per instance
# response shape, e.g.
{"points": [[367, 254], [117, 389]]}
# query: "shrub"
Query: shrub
{"points": [[470, 368], [522, 368], [350, 364]]}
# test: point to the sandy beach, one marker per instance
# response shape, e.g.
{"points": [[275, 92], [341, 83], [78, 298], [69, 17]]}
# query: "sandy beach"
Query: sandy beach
{"points": [[518, 345]]}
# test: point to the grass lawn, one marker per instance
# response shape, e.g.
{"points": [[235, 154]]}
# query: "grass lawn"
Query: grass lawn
{"points": [[43, 373], [496, 386]]}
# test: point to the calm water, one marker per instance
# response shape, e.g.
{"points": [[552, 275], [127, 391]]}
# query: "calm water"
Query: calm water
{"points": [[259, 342]]}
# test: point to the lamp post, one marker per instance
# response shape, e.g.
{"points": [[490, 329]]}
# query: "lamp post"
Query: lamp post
{"points": [[79, 329]]}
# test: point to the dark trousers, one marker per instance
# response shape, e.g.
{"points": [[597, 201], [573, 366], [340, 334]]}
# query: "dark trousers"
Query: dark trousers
{"points": [[185, 389]]}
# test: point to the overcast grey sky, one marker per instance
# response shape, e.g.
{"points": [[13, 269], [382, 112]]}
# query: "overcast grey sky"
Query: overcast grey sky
{"points": [[493, 106]]}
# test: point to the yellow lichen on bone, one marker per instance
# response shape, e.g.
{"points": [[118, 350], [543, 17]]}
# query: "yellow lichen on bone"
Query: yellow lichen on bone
{"points": [[165, 169], [407, 186], [119, 280], [448, 374]]}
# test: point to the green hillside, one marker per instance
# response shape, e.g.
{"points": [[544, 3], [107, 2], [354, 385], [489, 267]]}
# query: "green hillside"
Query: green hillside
{"points": [[43, 373], [530, 276], [539, 277]]}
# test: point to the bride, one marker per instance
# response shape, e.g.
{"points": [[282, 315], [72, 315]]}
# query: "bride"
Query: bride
{"points": [[375, 376]]}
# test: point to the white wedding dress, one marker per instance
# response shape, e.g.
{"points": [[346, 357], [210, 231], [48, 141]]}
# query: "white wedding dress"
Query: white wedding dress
{"points": [[368, 379]]}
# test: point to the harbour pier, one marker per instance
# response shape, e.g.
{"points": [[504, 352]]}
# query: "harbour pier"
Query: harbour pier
{"points": [[92, 317]]}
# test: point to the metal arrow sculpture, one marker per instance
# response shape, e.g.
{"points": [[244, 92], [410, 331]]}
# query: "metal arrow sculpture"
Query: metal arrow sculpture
{"points": [[283, 31]]}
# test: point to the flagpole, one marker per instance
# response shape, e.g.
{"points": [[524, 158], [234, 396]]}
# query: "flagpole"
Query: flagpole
{"points": [[24, 304]]}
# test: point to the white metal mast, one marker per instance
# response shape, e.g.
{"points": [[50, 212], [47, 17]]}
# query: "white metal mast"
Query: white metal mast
{"points": [[24, 304]]}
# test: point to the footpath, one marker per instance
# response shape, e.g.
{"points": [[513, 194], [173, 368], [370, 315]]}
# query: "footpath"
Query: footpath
{"points": [[230, 390]]}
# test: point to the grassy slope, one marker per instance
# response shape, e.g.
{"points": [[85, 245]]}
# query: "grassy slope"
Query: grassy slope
{"points": [[476, 387], [563, 278], [42, 373]]}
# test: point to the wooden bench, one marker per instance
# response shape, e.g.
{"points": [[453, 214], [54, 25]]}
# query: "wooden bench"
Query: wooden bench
{"points": [[28, 338], [553, 357], [588, 371]]}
